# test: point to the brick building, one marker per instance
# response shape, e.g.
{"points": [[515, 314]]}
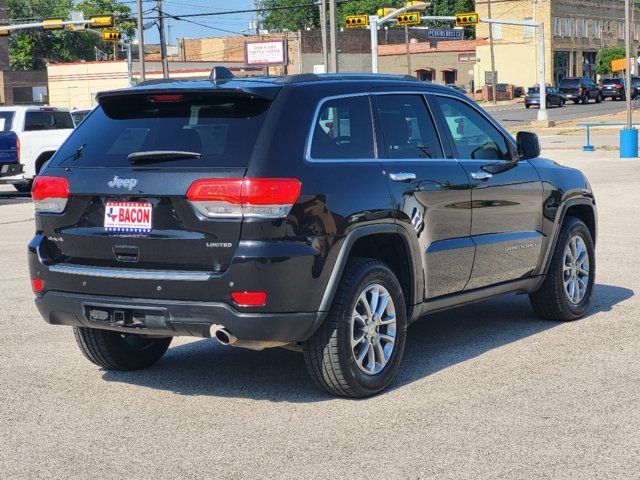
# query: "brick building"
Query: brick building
{"points": [[574, 32]]}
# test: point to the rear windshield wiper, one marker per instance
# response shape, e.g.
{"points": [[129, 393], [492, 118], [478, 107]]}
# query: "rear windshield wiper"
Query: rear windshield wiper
{"points": [[161, 156]]}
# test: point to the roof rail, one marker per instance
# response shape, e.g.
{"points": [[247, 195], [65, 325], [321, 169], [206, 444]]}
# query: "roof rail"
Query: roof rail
{"points": [[313, 77]]}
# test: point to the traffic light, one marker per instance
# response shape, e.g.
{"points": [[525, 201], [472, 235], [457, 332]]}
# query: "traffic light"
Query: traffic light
{"points": [[101, 21], [466, 19], [53, 24], [383, 12], [357, 21], [409, 18], [111, 35]]}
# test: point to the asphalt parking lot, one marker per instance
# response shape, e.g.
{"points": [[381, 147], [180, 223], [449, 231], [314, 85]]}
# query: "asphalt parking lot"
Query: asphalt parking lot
{"points": [[486, 391]]}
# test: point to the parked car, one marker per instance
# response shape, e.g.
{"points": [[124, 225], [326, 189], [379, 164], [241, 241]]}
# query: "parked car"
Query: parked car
{"points": [[9, 148], [40, 131], [79, 115], [580, 90], [554, 99], [615, 88], [319, 213]]}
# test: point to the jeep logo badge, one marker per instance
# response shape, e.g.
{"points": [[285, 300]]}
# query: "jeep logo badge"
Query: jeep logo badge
{"points": [[117, 182]]}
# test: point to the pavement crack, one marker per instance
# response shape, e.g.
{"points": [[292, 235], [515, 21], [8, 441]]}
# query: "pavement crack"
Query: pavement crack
{"points": [[17, 221]]}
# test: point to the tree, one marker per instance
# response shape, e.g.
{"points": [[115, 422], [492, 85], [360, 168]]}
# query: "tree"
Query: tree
{"points": [[289, 18], [604, 58], [33, 49]]}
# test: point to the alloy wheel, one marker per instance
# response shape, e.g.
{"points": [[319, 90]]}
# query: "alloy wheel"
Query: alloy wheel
{"points": [[576, 270], [373, 329]]}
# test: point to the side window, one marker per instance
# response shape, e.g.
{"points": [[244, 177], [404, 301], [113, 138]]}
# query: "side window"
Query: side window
{"points": [[343, 130], [473, 135], [407, 127]]}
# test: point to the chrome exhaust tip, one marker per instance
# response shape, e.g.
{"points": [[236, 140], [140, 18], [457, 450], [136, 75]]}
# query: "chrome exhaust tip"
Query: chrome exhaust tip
{"points": [[222, 335]]}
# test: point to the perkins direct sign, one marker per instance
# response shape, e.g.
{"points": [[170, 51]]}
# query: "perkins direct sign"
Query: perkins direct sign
{"points": [[264, 54], [446, 33]]}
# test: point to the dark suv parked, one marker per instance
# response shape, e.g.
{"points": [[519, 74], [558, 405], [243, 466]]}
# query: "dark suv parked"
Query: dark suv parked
{"points": [[580, 90], [320, 213]]}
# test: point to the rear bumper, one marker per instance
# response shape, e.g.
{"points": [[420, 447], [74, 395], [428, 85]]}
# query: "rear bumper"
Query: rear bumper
{"points": [[11, 170], [176, 318], [611, 93]]}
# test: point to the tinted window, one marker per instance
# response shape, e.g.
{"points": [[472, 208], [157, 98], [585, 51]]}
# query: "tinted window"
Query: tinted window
{"points": [[570, 83], [343, 130], [534, 90], [222, 128], [473, 135], [610, 81], [44, 120], [407, 127], [550, 90], [6, 121]]}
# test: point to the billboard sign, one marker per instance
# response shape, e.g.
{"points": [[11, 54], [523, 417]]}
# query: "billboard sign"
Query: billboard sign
{"points": [[445, 33], [265, 53]]}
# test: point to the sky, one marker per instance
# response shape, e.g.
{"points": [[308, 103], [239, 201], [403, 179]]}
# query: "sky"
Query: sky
{"points": [[213, 26]]}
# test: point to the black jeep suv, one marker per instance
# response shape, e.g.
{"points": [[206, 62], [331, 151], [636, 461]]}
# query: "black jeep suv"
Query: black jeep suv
{"points": [[318, 213]]}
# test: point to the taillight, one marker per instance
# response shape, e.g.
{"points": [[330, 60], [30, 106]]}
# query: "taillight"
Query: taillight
{"points": [[18, 147], [244, 197], [580, 90], [618, 86], [37, 285], [249, 299], [50, 194], [602, 85]]}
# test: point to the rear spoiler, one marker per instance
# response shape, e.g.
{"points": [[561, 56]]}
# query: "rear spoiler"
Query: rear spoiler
{"points": [[262, 93]]}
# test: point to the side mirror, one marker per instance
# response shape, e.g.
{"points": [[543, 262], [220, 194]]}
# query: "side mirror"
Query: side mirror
{"points": [[528, 145]]}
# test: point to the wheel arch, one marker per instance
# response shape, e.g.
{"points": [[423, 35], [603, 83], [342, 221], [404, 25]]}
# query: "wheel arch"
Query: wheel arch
{"points": [[41, 159], [389, 243], [582, 208]]}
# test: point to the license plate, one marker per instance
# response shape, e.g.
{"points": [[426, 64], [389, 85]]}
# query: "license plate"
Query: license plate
{"points": [[129, 217]]}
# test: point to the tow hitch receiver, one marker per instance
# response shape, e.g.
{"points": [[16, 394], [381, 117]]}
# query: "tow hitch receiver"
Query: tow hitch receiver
{"points": [[124, 317]]}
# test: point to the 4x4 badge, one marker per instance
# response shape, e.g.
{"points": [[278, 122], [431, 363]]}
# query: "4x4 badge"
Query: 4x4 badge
{"points": [[117, 182]]}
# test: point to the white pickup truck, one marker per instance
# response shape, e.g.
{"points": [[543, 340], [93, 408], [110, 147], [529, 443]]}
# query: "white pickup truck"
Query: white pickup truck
{"points": [[34, 133]]}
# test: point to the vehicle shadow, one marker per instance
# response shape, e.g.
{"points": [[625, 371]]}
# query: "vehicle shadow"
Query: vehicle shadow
{"points": [[434, 343]]}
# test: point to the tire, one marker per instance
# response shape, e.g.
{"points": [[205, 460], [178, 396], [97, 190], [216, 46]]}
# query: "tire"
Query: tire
{"points": [[329, 355], [115, 351], [527, 106], [599, 98], [552, 301], [24, 187], [585, 99], [576, 101]]}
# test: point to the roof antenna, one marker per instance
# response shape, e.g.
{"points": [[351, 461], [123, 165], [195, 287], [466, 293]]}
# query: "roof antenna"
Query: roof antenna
{"points": [[220, 74]]}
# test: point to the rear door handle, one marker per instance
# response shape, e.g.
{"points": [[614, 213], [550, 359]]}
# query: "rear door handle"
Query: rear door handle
{"points": [[481, 175], [402, 176]]}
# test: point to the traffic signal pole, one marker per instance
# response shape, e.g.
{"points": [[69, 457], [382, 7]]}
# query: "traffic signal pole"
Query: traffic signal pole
{"points": [[375, 22]]}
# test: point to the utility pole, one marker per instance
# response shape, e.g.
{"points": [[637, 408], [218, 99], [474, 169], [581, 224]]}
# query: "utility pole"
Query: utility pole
{"points": [[493, 57], [627, 42], [163, 43], [408, 46], [323, 30], [141, 42], [333, 26]]}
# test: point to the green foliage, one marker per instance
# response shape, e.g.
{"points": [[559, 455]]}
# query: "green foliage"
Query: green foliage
{"points": [[32, 49], [604, 58], [289, 19]]}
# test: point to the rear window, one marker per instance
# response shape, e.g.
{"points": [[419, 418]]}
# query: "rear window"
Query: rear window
{"points": [[6, 121], [571, 83], [610, 81], [222, 128], [535, 90], [43, 120]]}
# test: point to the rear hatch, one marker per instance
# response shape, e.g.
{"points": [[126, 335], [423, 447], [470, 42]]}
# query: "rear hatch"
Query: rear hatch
{"points": [[129, 166], [611, 85], [569, 86]]}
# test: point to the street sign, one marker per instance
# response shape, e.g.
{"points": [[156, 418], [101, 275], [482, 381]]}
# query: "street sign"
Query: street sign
{"points": [[101, 21], [410, 18], [53, 24], [265, 53], [466, 19], [357, 21], [446, 33], [79, 23], [619, 65], [111, 35]]}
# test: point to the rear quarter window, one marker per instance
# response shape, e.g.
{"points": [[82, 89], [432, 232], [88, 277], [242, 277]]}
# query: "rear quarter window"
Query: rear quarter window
{"points": [[35, 120], [223, 128]]}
